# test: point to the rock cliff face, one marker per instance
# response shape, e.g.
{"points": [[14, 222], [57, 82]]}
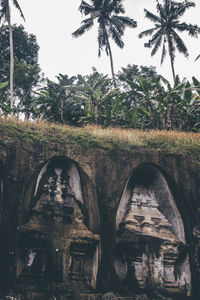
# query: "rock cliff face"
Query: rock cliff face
{"points": [[100, 225]]}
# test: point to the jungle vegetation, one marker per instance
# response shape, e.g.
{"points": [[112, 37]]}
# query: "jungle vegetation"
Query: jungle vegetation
{"points": [[135, 97]]}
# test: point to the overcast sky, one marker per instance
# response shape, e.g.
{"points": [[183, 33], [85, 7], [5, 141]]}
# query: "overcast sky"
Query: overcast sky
{"points": [[53, 22]]}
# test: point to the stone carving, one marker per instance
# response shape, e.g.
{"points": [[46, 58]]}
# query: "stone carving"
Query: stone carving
{"points": [[144, 217], [74, 250], [77, 258], [35, 263], [83, 262], [57, 255], [56, 199], [149, 249]]}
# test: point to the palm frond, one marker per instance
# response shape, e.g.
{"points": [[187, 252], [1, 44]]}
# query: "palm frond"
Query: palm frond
{"points": [[151, 16], [183, 6], [88, 20], [97, 3], [88, 23], [115, 6], [164, 52], [181, 26], [147, 32], [154, 39], [126, 21], [157, 45], [101, 40], [193, 30], [4, 10], [167, 6], [180, 44], [86, 8], [119, 26], [161, 10], [116, 36], [16, 4], [173, 8], [171, 49]]}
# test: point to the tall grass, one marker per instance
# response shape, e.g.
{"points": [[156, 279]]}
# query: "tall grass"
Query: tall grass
{"points": [[103, 137]]}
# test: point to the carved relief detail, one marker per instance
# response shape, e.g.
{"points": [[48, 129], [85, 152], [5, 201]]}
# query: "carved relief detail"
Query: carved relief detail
{"points": [[57, 221], [149, 248], [144, 217], [77, 258], [83, 263], [35, 263], [57, 200]]}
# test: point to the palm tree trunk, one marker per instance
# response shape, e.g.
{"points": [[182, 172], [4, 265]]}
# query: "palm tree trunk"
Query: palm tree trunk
{"points": [[11, 60], [62, 110], [111, 59], [171, 59], [172, 66]]}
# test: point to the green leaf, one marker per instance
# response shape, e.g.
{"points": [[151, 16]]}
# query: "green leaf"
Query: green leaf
{"points": [[3, 84], [195, 82], [5, 108], [44, 93]]}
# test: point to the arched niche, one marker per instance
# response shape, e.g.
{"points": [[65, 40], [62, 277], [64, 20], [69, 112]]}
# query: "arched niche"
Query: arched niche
{"points": [[62, 171], [151, 247], [58, 220]]}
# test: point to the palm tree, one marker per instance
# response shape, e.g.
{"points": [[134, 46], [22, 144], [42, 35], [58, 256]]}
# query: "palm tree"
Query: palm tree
{"points": [[6, 16], [165, 30], [110, 24]]}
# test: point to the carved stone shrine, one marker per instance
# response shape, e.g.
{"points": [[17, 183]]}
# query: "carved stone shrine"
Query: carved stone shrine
{"points": [[98, 227]]}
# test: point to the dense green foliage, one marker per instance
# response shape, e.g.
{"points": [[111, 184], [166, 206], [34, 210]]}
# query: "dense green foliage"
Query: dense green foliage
{"points": [[3, 107], [27, 71], [143, 100], [5, 15], [138, 97], [25, 48]]}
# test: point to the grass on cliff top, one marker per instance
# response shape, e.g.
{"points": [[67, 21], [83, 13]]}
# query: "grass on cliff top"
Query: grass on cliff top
{"points": [[108, 138]]}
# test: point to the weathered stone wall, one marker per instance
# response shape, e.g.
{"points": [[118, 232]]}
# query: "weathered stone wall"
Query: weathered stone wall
{"points": [[55, 246]]}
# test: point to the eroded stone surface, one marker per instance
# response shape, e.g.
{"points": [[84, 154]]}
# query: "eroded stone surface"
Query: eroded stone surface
{"points": [[148, 247], [57, 249], [59, 232]]}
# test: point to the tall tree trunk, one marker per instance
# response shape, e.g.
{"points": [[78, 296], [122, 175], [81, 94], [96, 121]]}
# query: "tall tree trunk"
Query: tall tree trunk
{"points": [[62, 110], [171, 59], [11, 59], [172, 66], [111, 59]]}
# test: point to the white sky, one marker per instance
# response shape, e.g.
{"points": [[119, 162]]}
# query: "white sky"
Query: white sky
{"points": [[53, 22]]}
